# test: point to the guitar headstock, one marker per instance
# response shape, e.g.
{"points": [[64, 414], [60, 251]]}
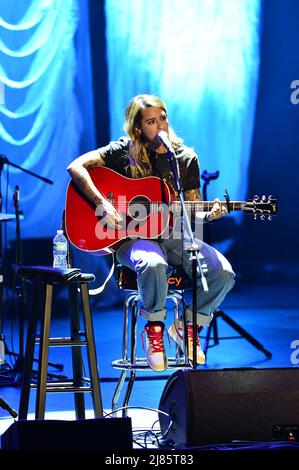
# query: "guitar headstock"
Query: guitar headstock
{"points": [[262, 208]]}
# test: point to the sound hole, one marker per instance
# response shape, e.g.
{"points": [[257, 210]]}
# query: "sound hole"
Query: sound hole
{"points": [[139, 208]]}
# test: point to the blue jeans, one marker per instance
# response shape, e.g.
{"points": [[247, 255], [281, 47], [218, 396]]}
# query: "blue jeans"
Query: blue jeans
{"points": [[152, 262]]}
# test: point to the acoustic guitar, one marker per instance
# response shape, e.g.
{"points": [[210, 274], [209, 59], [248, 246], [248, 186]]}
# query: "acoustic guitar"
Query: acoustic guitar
{"points": [[147, 208]]}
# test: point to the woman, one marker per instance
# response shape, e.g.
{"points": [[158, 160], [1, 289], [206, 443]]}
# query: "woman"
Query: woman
{"points": [[142, 153]]}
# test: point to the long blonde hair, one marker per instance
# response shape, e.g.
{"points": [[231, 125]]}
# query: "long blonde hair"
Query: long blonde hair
{"points": [[138, 151]]}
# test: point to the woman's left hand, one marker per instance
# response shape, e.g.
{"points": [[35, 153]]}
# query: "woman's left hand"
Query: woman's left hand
{"points": [[217, 211]]}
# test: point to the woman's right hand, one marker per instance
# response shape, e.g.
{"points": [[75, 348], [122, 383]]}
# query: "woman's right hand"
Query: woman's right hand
{"points": [[110, 215]]}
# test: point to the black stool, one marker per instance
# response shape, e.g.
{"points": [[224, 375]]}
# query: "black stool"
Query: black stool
{"points": [[126, 280], [44, 279]]}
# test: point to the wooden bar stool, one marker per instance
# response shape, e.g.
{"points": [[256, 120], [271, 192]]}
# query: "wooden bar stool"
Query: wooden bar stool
{"points": [[44, 280]]}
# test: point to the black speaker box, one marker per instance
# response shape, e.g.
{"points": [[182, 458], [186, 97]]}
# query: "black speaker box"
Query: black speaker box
{"points": [[218, 406], [93, 434]]}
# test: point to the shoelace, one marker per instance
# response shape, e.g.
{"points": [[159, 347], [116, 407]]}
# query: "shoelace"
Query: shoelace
{"points": [[155, 338], [190, 334]]}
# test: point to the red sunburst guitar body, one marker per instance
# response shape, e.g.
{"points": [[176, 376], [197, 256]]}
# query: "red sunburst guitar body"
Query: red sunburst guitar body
{"points": [[85, 225]]}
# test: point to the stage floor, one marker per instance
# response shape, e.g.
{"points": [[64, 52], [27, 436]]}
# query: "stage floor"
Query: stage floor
{"points": [[269, 312]]}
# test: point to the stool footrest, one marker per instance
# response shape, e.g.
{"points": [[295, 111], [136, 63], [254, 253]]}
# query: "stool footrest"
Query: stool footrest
{"points": [[68, 388], [64, 342], [64, 386], [141, 364]]}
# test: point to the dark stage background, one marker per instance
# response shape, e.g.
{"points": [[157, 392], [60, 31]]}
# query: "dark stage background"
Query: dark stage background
{"points": [[274, 160]]}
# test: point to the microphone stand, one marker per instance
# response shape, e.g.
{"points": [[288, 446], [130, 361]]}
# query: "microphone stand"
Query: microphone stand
{"points": [[193, 248], [4, 160], [18, 367]]}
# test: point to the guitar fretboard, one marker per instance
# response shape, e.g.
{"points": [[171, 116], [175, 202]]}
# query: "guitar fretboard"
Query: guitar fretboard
{"points": [[196, 206]]}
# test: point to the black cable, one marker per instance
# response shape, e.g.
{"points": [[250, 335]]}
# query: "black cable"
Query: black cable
{"points": [[149, 432]]}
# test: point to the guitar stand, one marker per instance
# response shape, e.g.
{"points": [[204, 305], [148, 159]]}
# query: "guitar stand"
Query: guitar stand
{"points": [[213, 327]]}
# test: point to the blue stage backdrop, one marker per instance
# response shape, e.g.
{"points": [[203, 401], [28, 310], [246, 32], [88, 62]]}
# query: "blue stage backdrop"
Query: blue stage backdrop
{"points": [[47, 110], [201, 57]]}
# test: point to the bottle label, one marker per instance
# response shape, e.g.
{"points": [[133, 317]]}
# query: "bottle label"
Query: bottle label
{"points": [[60, 246]]}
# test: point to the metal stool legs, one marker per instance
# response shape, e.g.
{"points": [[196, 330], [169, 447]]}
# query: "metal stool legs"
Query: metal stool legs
{"points": [[130, 301], [132, 363]]}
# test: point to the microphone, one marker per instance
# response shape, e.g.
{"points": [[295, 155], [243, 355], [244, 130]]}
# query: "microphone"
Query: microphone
{"points": [[164, 139]]}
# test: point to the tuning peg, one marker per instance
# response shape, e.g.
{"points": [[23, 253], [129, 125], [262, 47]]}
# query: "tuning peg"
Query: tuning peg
{"points": [[255, 198], [262, 217], [255, 216], [270, 217], [264, 199]]}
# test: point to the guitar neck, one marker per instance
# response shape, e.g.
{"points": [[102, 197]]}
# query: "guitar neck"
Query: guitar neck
{"points": [[206, 206]]}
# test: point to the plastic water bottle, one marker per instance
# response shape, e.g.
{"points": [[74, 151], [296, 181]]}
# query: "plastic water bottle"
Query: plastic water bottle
{"points": [[60, 246]]}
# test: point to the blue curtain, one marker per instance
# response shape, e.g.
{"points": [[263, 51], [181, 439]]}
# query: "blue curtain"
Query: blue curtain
{"points": [[44, 69], [202, 58], [47, 112]]}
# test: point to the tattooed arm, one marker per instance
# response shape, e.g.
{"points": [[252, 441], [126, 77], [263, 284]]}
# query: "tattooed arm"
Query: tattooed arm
{"points": [[78, 170], [192, 195]]}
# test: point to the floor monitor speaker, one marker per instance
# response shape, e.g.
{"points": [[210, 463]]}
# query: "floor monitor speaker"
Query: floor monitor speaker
{"points": [[218, 406], [92, 434]]}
